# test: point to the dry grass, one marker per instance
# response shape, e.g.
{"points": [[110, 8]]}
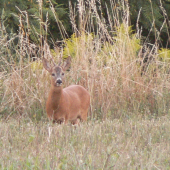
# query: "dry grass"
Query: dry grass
{"points": [[116, 144], [109, 64], [111, 73]]}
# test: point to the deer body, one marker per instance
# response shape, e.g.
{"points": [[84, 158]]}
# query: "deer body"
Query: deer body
{"points": [[65, 104]]}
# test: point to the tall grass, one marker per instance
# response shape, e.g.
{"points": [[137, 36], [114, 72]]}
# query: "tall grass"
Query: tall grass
{"points": [[110, 63]]}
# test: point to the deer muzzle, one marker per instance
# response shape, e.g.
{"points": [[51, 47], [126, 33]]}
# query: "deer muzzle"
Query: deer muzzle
{"points": [[59, 82]]}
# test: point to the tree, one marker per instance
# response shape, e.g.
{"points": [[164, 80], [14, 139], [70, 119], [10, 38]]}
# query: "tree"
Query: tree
{"points": [[13, 12]]}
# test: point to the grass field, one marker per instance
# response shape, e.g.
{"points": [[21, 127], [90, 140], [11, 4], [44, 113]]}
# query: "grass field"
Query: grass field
{"points": [[111, 144]]}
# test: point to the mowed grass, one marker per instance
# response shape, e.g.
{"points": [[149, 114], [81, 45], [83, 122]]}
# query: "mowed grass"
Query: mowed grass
{"points": [[111, 144]]}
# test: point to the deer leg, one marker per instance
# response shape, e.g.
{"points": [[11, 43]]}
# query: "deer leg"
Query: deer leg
{"points": [[83, 116], [74, 122], [59, 121]]}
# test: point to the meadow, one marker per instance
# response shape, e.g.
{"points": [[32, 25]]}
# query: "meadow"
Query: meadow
{"points": [[128, 80], [111, 144]]}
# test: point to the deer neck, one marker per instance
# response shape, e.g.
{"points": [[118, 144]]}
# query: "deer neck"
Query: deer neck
{"points": [[56, 94]]}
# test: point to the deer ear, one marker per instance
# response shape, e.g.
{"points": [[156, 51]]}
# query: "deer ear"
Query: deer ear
{"points": [[67, 63], [46, 64]]}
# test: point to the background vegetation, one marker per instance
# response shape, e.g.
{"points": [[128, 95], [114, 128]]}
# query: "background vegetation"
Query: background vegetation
{"points": [[117, 54], [150, 16]]}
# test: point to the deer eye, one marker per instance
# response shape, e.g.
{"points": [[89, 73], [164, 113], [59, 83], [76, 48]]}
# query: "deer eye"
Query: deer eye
{"points": [[62, 74], [53, 74]]}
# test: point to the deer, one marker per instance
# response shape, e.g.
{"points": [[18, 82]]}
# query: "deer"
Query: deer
{"points": [[67, 104]]}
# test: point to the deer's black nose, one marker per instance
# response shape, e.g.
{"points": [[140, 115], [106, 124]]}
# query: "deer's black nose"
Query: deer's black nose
{"points": [[59, 81]]}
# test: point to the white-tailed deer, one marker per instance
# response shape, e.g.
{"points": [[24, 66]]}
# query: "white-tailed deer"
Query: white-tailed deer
{"points": [[65, 104]]}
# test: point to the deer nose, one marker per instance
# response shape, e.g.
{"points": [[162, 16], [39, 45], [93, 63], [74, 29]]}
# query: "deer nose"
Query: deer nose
{"points": [[59, 81]]}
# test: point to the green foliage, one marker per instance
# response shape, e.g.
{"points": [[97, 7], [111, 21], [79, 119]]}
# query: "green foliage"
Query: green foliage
{"points": [[121, 37], [13, 10], [151, 15], [10, 14], [71, 46], [36, 65], [74, 44], [164, 54]]}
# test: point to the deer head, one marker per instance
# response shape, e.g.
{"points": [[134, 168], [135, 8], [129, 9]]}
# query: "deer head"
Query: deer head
{"points": [[57, 71]]}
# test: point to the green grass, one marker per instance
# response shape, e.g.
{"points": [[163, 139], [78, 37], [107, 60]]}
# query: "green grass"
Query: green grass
{"points": [[118, 144]]}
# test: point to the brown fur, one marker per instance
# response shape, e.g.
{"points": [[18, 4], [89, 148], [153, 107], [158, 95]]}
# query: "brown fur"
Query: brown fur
{"points": [[66, 104]]}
